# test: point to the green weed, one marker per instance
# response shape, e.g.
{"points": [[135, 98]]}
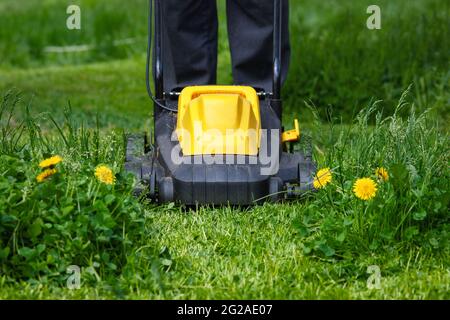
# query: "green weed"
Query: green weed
{"points": [[411, 203], [69, 218]]}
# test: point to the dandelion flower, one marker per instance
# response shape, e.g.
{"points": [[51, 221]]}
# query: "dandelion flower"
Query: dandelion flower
{"points": [[382, 174], [50, 162], [365, 188], [322, 178], [45, 174], [104, 174]]}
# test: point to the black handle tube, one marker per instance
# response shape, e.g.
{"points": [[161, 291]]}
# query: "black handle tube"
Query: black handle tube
{"points": [[276, 90], [158, 71]]}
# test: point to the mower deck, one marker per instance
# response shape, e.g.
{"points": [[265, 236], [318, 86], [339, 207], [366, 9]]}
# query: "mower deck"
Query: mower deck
{"points": [[221, 179]]}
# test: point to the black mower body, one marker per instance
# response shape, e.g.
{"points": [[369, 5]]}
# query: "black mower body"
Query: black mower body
{"points": [[271, 175]]}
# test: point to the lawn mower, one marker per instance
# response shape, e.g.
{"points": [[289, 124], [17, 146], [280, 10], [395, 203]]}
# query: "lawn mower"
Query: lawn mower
{"points": [[222, 145]]}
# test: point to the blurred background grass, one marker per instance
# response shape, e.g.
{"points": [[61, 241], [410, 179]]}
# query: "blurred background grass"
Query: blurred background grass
{"points": [[337, 65]]}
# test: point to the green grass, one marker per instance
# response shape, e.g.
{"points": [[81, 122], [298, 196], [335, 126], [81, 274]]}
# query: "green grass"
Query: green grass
{"points": [[317, 248], [111, 90], [256, 255]]}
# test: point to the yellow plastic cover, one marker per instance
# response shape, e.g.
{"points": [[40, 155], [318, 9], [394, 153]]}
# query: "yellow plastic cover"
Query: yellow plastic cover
{"points": [[291, 135], [219, 120]]}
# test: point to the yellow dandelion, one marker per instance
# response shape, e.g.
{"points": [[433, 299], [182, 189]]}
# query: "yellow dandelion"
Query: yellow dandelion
{"points": [[365, 188], [322, 178], [382, 174], [104, 174], [50, 162], [45, 174]]}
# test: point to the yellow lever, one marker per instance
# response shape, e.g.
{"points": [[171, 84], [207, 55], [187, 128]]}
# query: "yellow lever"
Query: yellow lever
{"points": [[291, 135]]}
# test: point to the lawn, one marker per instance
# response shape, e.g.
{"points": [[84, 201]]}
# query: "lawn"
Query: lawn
{"points": [[366, 99]]}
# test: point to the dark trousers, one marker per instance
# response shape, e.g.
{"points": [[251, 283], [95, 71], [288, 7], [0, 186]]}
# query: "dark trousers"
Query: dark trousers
{"points": [[190, 42]]}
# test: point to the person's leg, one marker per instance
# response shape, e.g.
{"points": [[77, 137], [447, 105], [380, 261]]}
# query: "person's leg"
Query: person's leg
{"points": [[250, 29], [189, 43]]}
